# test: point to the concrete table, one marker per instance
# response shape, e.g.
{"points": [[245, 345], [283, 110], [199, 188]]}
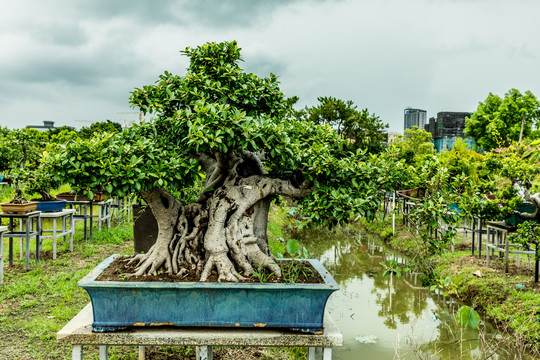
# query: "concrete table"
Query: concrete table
{"points": [[78, 332], [2, 230], [26, 231], [65, 216]]}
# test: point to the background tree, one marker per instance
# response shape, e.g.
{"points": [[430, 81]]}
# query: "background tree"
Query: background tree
{"points": [[414, 145], [229, 134], [108, 126], [498, 121], [364, 131], [23, 148]]}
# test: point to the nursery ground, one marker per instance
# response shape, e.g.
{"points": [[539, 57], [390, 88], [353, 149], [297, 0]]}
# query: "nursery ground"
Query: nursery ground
{"points": [[36, 304]]}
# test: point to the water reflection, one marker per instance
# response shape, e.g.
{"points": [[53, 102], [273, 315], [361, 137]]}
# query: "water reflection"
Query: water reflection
{"points": [[386, 317]]}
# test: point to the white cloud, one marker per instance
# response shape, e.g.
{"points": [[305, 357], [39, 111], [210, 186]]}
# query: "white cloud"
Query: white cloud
{"points": [[63, 60]]}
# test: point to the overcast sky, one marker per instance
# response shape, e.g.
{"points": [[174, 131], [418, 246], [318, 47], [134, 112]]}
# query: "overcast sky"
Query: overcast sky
{"points": [[75, 62]]}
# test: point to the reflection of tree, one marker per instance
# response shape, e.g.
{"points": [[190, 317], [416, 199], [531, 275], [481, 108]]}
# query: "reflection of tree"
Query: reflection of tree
{"points": [[339, 251], [398, 302], [348, 254], [352, 256]]}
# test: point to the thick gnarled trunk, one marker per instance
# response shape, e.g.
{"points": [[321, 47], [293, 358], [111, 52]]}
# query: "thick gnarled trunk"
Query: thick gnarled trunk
{"points": [[225, 230]]}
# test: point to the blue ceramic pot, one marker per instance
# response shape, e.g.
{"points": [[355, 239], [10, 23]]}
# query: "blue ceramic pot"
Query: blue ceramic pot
{"points": [[51, 206], [120, 305], [515, 219]]}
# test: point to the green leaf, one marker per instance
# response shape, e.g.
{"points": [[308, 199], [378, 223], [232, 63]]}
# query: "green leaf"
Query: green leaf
{"points": [[468, 317], [292, 247]]}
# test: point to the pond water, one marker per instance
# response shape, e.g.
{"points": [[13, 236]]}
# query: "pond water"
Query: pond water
{"points": [[390, 318]]}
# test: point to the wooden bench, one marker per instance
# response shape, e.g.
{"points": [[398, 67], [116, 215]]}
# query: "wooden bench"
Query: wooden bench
{"points": [[78, 333]]}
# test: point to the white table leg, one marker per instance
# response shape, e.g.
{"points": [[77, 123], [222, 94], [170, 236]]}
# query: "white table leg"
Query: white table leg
{"points": [[77, 352], [142, 354], [72, 231], [311, 353], [204, 353], [54, 238], [327, 353], [103, 352], [1, 258]]}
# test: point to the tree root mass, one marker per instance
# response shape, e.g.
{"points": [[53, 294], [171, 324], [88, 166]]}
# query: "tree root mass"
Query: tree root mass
{"points": [[121, 270]]}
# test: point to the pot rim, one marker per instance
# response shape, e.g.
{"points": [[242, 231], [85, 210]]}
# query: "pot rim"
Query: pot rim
{"points": [[89, 281]]}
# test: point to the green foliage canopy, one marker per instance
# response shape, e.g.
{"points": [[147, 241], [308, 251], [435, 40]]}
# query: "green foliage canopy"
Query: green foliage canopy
{"points": [[218, 111], [362, 129], [414, 145], [497, 121]]}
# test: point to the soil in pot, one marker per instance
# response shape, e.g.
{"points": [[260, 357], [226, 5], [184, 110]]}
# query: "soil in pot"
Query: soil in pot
{"points": [[302, 272]]}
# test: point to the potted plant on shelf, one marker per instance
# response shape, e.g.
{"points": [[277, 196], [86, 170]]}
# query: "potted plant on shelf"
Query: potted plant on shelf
{"points": [[41, 182], [221, 148], [26, 146]]}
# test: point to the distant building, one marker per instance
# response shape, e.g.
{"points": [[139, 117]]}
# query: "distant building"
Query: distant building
{"points": [[414, 117], [391, 136], [47, 125], [446, 128]]}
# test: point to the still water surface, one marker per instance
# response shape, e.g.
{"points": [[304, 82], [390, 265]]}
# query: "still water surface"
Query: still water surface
{"points": [[388, 318]]}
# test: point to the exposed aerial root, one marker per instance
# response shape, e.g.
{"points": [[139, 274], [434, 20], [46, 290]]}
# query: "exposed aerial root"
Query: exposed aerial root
{"points": [[150, 263], [224, 266], [258, 257]]}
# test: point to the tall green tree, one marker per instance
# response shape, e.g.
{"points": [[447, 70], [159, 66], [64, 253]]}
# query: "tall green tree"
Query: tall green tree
{"points": [[229, 135], [414, 145], [99, 127], [362, 129], [498, 121]]}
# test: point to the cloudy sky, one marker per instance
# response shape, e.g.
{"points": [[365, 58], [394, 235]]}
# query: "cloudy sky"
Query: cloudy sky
{"points": [[75, 62]]}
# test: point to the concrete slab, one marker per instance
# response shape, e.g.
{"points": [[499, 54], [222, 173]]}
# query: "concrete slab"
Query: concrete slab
{"points": [[79, 332]]}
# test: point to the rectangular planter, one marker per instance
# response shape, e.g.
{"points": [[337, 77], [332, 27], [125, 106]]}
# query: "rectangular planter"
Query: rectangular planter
{"points": [[18, 208], [516, 219], [72, 197], [51, 206], [120, 305]]}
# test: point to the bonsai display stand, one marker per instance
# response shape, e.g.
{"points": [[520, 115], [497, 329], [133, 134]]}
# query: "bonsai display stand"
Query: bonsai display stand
{"points": [[26, 231], [499, 231], [2, 230], [66, 217], [78, 332], [84, 211]]}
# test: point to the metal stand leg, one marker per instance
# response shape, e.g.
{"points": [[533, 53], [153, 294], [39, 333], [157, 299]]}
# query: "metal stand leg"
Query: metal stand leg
{"points": [[327, 353], [1, 258], [54, 239], [77, 352], [91, 220], [142, 354], [27, 259], [103, 352], [204, 353], [85, 226]]}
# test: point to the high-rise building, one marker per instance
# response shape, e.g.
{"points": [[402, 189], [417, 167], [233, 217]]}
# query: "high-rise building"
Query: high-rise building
{"points": [[414, 117], [446, 128]]}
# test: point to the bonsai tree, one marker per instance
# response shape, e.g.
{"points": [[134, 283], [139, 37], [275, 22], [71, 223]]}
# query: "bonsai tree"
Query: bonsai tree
{"points": [[24, 147], [221, 147]]}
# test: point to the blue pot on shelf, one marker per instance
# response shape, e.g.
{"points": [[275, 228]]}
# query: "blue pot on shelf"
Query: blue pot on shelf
{"points": [[515, 219], [119, 305], [51, 206]]}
